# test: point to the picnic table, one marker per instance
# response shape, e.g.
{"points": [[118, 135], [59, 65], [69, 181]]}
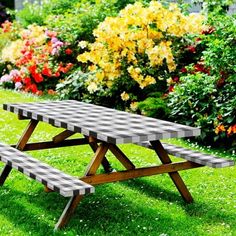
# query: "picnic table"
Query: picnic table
{"points": [[103, 129]]}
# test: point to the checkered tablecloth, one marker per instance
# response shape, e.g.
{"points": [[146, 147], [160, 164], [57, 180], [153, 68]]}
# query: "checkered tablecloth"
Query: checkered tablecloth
{"points": [[103, 123]]}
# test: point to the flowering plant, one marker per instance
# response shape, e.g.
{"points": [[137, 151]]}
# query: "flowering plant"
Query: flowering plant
{"points": [[34, 58], [205, 95], [134, 51]]}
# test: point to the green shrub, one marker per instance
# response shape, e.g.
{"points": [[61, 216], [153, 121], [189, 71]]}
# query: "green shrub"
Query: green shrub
{"points": [[219, 6], [78, 22], [198, 101], [36, 12], [220, 54], [73, 86], [154, 107], [32, 13], [205, 96]]}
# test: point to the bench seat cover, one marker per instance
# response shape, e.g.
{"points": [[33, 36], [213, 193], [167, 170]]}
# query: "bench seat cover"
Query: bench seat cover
{"points": [[194, 156], [53, 178]]}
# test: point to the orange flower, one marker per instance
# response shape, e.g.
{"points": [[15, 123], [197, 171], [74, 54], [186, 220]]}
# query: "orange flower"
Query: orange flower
{"points": [[219, 128], [51, 92], [231, 130], [39, 93]]}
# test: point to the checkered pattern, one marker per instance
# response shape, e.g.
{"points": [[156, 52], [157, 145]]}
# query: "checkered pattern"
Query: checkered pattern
{"points": [[103, 123], [54, 179], [194, 156]]}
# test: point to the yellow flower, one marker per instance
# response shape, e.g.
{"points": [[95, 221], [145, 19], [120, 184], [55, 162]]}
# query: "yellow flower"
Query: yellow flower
{"points": [[83, 44], [92, 87], [12, 52], [124, 96], [149, 80], [134, 106], [139, 35], [100, 75]]}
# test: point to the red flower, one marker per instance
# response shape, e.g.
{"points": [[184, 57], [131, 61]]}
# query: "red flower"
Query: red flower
{"points": [[46, 71], [66, 68], [183, 70], [32, 69], [200, 68], [191, 49], [171, 88], [57, 74], [176, 79], [33, 88], [17, 79], [27, 81], [37, 77], [68, 51]]}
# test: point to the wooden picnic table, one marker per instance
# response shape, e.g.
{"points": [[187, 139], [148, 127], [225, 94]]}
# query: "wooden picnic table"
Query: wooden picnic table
{"points": [[103, 128]]}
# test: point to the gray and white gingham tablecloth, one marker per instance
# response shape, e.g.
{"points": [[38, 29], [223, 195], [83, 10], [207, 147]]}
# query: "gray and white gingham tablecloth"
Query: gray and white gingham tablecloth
{"points": [[103, 123]]}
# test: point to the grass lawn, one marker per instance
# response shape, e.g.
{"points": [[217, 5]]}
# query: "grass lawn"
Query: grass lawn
{"points": [[144, 206]]}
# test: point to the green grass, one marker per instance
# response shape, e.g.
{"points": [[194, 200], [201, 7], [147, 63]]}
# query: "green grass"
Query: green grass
{"points": [[144, 206]]}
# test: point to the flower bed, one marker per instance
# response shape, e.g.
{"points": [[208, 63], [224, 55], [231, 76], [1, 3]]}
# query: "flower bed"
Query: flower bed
{"points": [[149, 58]]}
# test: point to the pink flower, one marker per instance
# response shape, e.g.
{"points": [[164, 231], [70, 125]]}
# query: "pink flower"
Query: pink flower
{"points": [[18, 85], [6, 78]]}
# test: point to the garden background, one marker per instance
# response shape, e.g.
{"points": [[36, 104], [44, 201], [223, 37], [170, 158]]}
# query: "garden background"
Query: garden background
{"points": [[147, 57]]}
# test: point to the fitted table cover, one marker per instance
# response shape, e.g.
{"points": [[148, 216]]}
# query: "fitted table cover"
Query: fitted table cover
{"points": [[103, 123]]}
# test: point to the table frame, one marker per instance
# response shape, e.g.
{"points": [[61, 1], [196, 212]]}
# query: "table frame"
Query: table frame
{"points": [[100, 149]]}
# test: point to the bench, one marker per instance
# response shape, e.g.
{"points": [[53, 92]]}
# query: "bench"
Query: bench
{"points": [[193, 156], [54, 179]]}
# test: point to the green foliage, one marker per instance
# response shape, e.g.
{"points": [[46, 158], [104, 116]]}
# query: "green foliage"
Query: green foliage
{"points": [[220, 53], [219, 6], [154, 107], [31, 13], [198, 101], [75, 87], [208, 100], [78, 22], [38, 11], [72, 87]]}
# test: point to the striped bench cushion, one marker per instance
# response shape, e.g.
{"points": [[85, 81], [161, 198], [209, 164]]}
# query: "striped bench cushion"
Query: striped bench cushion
{"points": [[54, 179], [193, 156]]}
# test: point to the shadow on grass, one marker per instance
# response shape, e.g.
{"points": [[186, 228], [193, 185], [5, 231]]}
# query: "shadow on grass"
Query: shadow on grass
{"points": [[205, 210], [154, 191], [107, 212]]}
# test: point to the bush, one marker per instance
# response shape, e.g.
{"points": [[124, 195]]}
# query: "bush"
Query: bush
{"points": [[38, 59], [132, 55], [73, 19], [154, 107], [206, 97], [37, 12], [78, 22]]}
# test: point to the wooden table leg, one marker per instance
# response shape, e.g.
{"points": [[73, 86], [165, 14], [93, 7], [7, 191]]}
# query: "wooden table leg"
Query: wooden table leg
{"points": [[62, 136], [124, 160], [68, 211], [105, 163], [20, 145], [97, 159], [176, 178], [74, 201]]}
